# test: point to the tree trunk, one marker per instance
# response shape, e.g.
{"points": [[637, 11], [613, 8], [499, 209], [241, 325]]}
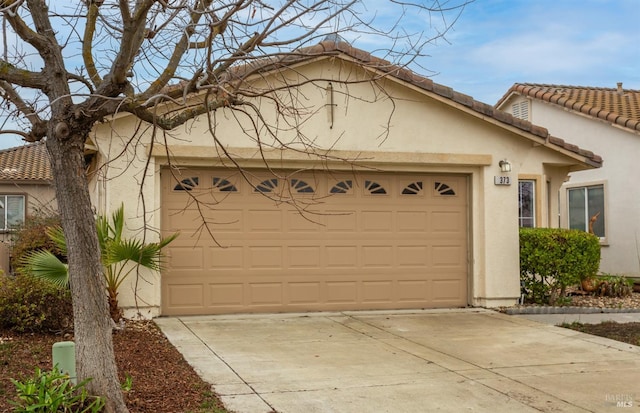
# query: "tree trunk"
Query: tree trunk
{"points": [[92, 322]]}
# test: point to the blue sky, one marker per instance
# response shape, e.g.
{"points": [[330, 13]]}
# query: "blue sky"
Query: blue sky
{"points": [[496, 43]]}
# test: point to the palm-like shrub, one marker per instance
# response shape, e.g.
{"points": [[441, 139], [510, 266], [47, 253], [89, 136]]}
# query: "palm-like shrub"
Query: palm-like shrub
{"points": [[120, 257]]}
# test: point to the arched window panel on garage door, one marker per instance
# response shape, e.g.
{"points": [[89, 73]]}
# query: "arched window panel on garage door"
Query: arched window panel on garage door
{"points": [[414, 188], [342, 187], [223, 185], [267, 186], [374, 188], [187, 184], [443, 189], [301, 187]]}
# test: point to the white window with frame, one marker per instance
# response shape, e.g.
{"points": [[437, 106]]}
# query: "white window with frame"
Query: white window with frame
{"points": [[11, 211], [586, 209], [527, 203]]}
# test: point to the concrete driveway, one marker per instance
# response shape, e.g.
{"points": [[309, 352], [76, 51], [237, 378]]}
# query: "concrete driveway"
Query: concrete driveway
{"points": [[404, 362]]}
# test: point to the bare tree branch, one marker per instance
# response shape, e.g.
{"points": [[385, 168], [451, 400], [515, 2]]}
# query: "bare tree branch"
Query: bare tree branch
{"points": [[39, 127], [22, 77], [87, 43], [178, 51]]}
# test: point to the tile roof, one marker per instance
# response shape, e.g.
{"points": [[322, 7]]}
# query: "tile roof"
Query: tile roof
{"points": [[616, 105], [28, 163]]}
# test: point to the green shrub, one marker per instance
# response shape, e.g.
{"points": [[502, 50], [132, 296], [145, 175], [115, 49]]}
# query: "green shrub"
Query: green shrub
{"points": [[552, 259], [31, 236], [48, 392], [28, 304]]}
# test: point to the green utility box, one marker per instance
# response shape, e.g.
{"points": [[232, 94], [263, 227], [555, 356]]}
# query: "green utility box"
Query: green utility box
{"points": [[64, 356]]}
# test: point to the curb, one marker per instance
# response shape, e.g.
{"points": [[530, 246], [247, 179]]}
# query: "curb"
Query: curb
{"points": [[567, 310]]}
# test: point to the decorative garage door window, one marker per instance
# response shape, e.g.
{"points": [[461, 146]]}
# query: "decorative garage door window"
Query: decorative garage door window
{"points": [[443, 189], [267, 186], [414, 188], [374, 188], [342, 187], [187, 184], [301, 187], [223, 185], [297, 185]]}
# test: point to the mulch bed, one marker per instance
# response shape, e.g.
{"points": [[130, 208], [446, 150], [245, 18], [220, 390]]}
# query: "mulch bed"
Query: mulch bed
{"points": [[162, 379], [625, 332]]}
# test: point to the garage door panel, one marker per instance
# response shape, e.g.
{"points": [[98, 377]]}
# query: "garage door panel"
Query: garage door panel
{"points": [[264, 220], [446, 289], [266, 293], [224, 220], [448, 256], [366, 241], [179, 219], [226, 294], [378, 291], [305, 222], [341, 256], [377, 221], [264, 257], [412, 221], [303, 257], [447, 221], [411, 291], [184, 258], [342, 292], [413, 256], [226, 258], [186, 295], [304, 292], [377, 256], [341, 220]]}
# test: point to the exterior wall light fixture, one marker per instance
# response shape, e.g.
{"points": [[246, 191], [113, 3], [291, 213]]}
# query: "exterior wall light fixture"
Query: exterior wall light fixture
{"points": [[505, 166]]}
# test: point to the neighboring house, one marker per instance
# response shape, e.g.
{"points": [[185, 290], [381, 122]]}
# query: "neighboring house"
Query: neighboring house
{"points": [[606, 120], [407, 201], [26, 186], [25, 189]]}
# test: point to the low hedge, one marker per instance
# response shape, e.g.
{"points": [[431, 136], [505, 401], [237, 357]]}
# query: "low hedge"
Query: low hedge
{"points": [[551, 259], [28, 304]]}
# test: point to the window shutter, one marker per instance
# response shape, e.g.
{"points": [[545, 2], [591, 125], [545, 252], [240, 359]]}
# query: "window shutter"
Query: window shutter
{"points": [[521, 110]]}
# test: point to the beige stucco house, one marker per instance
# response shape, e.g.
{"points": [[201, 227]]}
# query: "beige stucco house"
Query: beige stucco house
{"points": [[389, 191], [606, 120]]}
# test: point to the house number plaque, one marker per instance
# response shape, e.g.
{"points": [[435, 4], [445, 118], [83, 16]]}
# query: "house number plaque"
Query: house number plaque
{"points": [[502, 180]]}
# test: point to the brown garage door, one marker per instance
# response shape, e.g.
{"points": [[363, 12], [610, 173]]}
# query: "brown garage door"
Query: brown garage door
{"points": [[312, 241]]}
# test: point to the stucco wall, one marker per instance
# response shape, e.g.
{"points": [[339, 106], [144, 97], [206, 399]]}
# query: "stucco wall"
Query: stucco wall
{"points": [[403, 130]]}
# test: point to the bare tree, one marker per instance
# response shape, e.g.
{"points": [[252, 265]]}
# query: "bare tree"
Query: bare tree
{"points": [[67, 66]]}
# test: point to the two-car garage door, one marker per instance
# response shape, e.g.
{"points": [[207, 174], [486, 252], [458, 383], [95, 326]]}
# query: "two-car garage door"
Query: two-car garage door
{"points": [[259, 242]]}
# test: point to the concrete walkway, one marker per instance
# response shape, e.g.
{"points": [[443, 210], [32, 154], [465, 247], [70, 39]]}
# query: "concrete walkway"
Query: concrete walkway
{"points": [[434, 360]]}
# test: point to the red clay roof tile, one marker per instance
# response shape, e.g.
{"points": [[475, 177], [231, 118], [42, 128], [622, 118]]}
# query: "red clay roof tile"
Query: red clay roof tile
{"points": [[28, 163], [616, 105]]}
